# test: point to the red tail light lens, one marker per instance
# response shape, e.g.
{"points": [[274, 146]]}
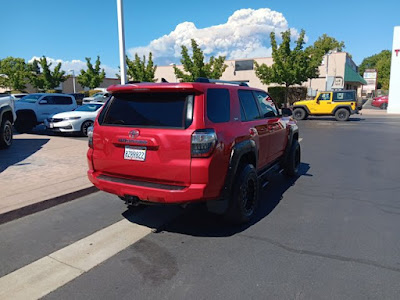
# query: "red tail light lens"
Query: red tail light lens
{"points": [[203, 142]]}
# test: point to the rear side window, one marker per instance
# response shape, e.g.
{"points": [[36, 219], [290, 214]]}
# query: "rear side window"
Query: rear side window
{"points": [[63, 100], [172, 110], [249, 105], [218, 105], [344, 96]]}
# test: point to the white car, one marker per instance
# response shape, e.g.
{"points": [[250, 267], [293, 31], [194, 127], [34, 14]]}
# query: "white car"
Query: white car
{"points": [[98, 97], [78, 120], [33, 109]]}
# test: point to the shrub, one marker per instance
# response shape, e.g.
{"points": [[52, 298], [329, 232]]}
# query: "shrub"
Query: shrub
{"points": [[51, 91], [295, 94], [92, 92]]}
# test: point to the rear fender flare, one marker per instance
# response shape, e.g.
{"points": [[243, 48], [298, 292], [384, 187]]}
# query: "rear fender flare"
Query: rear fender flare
{"points": [[237, 153]]}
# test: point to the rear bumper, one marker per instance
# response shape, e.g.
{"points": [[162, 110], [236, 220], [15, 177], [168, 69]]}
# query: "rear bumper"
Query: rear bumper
{"points": [[150, 192]]}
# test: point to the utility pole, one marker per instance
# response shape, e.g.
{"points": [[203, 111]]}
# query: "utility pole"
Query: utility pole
{"points": [[121, 38], [327, 70]]}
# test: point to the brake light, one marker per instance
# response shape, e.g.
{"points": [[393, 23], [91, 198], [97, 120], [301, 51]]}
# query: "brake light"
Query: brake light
{"points": [[203, 142], [90, 136]]}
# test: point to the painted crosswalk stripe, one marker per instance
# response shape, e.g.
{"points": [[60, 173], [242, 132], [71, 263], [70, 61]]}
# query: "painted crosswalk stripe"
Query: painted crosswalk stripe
{"points": [[55, 270]]}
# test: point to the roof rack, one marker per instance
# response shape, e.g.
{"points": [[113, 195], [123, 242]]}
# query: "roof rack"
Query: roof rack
{"points": [[206, 80]]}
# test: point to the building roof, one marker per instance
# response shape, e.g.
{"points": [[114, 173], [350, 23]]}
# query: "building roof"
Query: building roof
{"points": [[352, 76]]}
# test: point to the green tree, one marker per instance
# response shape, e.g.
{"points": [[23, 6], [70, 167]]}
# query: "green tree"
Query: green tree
{"points": [[42, 77], [290, 66], [35, 78], [13, 73], [321, 47], [138, 70], [93, 76], [325, 43], [381, 62], [196, 67]]}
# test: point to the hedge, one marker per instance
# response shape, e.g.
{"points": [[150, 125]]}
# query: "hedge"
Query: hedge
{"points": [[295, 94]]}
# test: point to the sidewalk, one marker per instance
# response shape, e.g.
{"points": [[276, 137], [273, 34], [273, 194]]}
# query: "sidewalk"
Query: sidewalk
{"points": [[38, 167], [376, 112]]}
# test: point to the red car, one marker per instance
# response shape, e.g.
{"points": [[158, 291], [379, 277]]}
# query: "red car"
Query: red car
{"points": [[381, 102], [185, 142]]}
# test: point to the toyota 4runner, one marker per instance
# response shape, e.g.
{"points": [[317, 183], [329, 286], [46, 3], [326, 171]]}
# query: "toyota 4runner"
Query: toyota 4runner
{"points": [[7, 118], [186, 142], [340, 104]]}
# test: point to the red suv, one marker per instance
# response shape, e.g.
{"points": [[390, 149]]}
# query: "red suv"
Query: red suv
{"points": [[186, 142]]}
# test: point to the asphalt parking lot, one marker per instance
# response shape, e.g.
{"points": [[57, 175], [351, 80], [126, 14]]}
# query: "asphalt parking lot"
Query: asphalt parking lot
{"points": [[333, 233]]}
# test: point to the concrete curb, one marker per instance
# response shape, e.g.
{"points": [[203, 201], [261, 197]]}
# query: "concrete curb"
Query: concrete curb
{"points": [[45, 204]]}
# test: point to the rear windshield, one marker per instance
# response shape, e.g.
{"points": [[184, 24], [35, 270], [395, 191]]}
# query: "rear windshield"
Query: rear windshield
{"points": [[172, 110]]}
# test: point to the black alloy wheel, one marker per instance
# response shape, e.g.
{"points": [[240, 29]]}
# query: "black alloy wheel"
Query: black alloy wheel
{"points": [[6, 134], [85, 127]]}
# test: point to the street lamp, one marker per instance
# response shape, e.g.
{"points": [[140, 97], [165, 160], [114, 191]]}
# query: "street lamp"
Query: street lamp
{"points": [[121, 39], [73, 79]]}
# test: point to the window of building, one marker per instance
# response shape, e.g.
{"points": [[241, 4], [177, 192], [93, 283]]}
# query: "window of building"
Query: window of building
{"points": [[218, 105], [249, 105], [244, 65]]}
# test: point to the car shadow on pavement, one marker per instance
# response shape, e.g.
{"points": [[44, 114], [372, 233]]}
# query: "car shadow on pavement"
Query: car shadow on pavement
{"points": [[19, 151], [197, 221]]}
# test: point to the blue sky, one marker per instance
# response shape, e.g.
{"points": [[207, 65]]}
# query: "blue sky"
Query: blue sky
{"points": [[71, 30]]}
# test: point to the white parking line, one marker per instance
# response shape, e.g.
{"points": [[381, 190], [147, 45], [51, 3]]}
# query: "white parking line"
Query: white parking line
{"points": [[53, 271]]}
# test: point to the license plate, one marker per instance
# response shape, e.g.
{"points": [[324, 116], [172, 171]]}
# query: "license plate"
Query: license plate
{"points": [[51, 125], [135, 153]]}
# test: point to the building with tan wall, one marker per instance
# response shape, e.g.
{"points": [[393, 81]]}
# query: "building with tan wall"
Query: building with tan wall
{"points": [[341, 70]]}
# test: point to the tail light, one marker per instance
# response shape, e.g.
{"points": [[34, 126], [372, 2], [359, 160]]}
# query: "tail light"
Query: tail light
{"points": [[90, 136], [203, 142]]}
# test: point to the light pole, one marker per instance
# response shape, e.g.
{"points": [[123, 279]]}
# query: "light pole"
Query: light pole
{"points": [[327, 70], [73, 79], [121, 38]]}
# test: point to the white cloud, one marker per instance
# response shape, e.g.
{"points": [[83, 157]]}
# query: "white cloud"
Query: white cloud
{"points": [[76, 65], [244, 35]]}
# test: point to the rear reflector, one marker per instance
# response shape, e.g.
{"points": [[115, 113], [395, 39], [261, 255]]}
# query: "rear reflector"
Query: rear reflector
{"points": [[203, 142]]}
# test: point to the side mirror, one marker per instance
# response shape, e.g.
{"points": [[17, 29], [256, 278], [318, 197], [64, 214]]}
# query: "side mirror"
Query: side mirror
{"points": [[287, 112], [43, 102]]}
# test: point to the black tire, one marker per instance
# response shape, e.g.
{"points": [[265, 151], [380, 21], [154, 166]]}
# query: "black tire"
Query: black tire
{"points": [[299, 114], [6, 134], [342, 114], [293, 160], [244, 201], [85, 127], [383, 106]]}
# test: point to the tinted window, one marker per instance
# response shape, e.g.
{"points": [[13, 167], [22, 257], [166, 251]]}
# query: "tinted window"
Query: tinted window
{"points": [[150, 109], [49, 99], [249, 105], [218, 105], [266, 104], [344, 96], [62, 100]]}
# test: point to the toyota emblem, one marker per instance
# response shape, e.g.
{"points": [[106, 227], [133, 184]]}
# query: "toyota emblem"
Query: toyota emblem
{"points": [[133, 134]]}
